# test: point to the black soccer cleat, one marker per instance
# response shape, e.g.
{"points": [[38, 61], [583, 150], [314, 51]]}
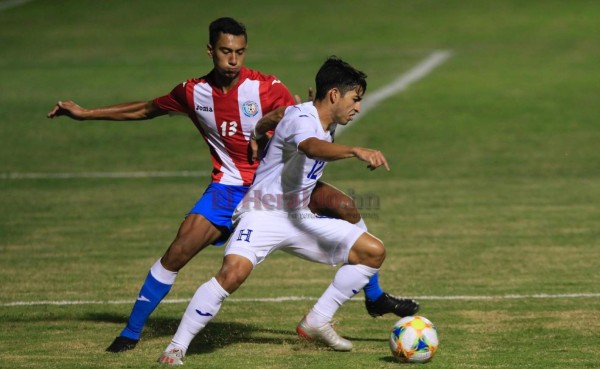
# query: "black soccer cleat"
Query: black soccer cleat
{"points": [[121, 344], [390, 304]]}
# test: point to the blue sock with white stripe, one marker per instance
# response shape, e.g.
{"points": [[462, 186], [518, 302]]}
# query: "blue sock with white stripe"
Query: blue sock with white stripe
{"points": [[157, 285]]}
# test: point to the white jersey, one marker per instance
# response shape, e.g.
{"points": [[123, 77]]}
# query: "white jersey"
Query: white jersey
{"points": [[286, 177]]}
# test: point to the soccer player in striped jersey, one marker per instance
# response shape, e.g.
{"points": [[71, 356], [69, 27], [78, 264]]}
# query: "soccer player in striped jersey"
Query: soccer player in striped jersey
{"points": [[224, 105]]}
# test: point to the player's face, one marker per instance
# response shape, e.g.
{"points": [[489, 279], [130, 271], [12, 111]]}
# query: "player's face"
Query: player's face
{"points": [[348, 105], [228, 55]]}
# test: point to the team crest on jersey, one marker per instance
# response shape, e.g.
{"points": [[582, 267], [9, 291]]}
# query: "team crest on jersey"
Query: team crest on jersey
{"points": [[250, 108]]}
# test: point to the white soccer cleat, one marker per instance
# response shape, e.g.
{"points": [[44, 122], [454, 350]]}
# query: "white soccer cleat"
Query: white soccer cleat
{"points": [[172, 357], [325, 334]]}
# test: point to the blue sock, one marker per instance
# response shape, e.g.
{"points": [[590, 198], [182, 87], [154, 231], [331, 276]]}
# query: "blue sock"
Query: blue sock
{"points": [[373, 290], [150, 296]]}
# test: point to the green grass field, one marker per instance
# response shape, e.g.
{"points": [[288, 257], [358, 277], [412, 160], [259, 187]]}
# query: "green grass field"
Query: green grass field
{"points": [[490, 214]]}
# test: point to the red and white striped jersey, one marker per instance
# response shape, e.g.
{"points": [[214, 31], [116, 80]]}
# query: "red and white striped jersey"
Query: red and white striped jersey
{"points": [[226, 120]]}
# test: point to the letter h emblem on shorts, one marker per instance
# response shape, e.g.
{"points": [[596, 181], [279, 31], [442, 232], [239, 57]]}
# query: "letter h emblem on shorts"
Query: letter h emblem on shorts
{"points": [[245, 233]]}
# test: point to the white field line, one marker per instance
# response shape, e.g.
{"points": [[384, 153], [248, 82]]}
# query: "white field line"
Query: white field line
{"points": [[307, 298], [400, 84], [371, 101], [7, 4]]}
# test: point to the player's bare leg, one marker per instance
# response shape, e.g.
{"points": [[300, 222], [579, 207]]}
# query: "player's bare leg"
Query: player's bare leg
{"points": [[194, 234], [329, 201]]}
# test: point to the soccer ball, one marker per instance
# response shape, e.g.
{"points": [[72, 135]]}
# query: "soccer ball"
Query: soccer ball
{"points": [[414, 340]]}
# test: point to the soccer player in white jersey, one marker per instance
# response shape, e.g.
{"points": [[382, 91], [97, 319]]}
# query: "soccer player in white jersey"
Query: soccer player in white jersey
{"points": [[224, 105], [274, 214]]}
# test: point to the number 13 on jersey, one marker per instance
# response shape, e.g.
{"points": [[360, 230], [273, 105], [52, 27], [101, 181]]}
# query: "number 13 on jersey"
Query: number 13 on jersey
{"points": [[317, 167], [228, 128]]}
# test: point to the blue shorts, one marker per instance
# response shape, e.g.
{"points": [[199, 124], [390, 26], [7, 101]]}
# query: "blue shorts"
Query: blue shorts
{"points": [[217, 205]]}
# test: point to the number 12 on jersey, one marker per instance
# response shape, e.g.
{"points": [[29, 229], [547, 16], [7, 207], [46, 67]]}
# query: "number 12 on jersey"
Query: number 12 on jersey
{"points": [[317, 167]]}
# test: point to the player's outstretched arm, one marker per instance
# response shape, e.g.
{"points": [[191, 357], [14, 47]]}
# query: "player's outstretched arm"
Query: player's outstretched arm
{"points": [[139, 110], [327, 151]]}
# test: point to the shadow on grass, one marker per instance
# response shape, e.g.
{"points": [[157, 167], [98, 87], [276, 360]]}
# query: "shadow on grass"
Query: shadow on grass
{"points": [[389, 359], [220, 334], [216, 335]]}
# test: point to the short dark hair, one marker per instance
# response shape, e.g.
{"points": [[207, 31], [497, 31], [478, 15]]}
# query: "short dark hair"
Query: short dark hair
{"points": [[225, 25], [336, 73]]}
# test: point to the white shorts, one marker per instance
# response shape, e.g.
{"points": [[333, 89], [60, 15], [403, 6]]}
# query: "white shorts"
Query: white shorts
{"points": [[322, 240]]}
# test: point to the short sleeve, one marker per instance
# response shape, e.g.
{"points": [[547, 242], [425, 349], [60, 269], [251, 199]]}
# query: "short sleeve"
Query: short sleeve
{"points": [[175, 101], [304, 127], [277, 95]]}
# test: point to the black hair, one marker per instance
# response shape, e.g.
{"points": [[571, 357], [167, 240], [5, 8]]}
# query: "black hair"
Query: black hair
{"points": [[336, 73], [225, 25]]}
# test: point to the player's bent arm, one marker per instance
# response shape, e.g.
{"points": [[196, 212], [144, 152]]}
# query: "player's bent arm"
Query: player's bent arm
{"points": [[323, 150], [327, 151], [268, 122], [139, 110], [264, 128]]}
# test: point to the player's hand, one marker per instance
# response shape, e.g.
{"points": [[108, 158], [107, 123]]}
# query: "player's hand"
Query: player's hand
{"points": [[257, 146], [375, 158], [67, 108], [311, 96]]}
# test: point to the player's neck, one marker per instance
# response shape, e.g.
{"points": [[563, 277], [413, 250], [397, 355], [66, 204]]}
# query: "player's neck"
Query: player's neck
{"points": [[325, 116], [224, 83]]}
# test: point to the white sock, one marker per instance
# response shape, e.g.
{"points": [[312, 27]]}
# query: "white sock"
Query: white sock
{"points": [[161, 274], [362, 225], [202, 309], [348, 281]]}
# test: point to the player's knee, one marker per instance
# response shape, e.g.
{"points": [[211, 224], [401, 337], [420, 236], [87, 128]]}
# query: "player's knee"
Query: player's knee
{"points": [[368, 250], [377, 254], [231, 280], [233, 273]]}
